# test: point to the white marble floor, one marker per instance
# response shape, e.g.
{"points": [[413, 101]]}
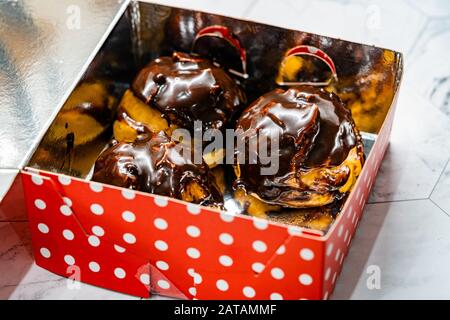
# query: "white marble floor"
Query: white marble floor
{"points": [[405, 231]]}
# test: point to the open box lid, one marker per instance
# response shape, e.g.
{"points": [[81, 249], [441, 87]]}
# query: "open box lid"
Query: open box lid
{"points": [[43, 67]]}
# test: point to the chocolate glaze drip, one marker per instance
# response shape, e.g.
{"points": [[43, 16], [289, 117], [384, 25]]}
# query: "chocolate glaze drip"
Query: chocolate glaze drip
{"points": [[314, 130], [156, 166], [143, 131], [186, 88]]}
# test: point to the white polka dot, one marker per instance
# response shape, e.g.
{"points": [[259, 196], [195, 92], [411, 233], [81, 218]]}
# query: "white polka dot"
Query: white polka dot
{"points": [[119, 249], [225, 261], [338, 254], [294, 231], [191, 272], [97, 209], [327, 274], [313, 50], [162, 265], [37, 180], [193, 253], [129, 238], [226, 238], [96, 187], [227, 217], [94, 266], [222, 285], [145, 279], [68, 234], [249, 292], [361, 201], [43, 228], [128, 216], [69, 259], [325, 296], [197, 278], [45, 253], [160, 201], [340, 231], [258, 267], [98, 231], [94, 241], [119, 273], [193, 291], [306, 254], [281, 250], [193, 231], [259, 246], [161, 245], [160, 224], [128, 194], [305, 279], [276, 296], [40, 204], [350, 210], [346, 235], [65, 210], [65, 180], [67, 201], [277, 273], [334, 277], [260, 224], [193, 208], [329, 249]]}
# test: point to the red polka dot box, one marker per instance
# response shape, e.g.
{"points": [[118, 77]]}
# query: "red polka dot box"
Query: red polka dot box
{"points": [[143, 244]]}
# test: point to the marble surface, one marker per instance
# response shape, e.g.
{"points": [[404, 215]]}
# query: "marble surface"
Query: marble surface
{"points": [[409, 242], [404, 233]]}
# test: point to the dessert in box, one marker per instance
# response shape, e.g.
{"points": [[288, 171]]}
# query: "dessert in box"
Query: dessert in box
{"points": [[118, 197]]}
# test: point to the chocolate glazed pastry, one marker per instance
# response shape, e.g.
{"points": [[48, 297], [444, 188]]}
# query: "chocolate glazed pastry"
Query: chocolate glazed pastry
{"points": [[173, 92], [86, 114], [320, 151], [185, 88], [156, 165]]}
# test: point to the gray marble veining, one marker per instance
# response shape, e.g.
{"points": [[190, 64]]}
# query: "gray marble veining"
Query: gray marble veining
{"points": [[418, 151], [408, 243], [441, 192], [429, 67]]}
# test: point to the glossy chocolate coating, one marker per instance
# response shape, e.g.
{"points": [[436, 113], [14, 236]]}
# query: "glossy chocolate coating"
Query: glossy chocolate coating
{"points": [[156, 166], [314, 130], [186, 88]]}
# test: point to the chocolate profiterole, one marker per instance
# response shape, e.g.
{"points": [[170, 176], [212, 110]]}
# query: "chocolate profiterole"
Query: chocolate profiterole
{"points": [[156, 165], [186, 88], [320, 151]]}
